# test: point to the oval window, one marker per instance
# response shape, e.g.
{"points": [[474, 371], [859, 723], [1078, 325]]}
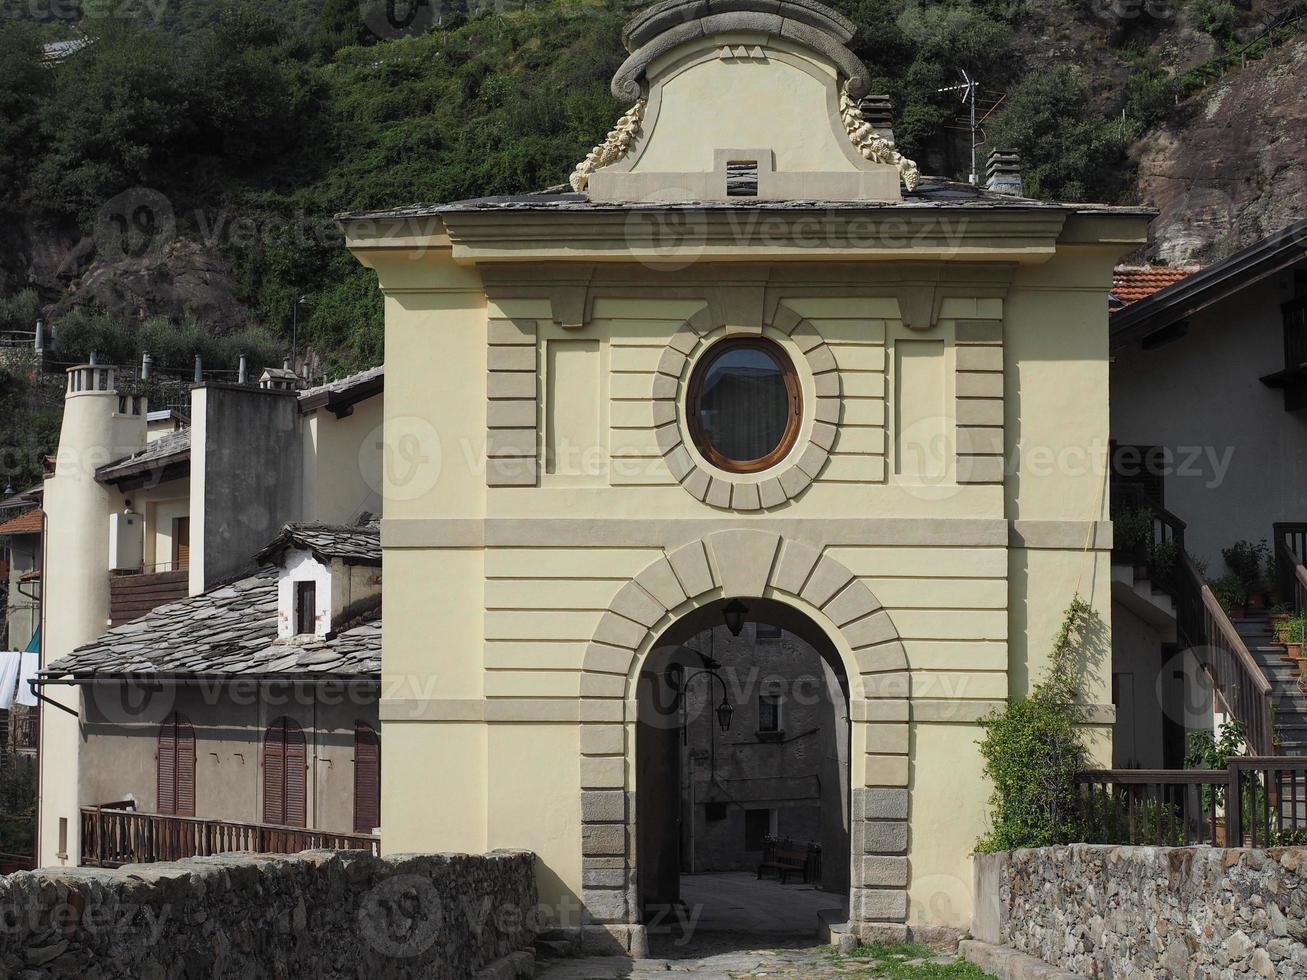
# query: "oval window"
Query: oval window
{"points": [[744, 404]]}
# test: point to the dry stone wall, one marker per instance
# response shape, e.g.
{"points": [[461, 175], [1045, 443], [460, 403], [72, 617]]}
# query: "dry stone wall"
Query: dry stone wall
{"points": [[1155, 912], [319, 914]]}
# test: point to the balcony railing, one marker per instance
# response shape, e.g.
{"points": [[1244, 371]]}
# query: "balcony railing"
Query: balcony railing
{"points": [[1256, 801], [112, 837], [133, 594]]}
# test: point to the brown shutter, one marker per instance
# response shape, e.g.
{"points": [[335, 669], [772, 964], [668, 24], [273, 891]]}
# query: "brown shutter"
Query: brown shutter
{"points": [[274, 773], [367, 778], [166, 767], [296, 811], [181, 543], [185, 736]]}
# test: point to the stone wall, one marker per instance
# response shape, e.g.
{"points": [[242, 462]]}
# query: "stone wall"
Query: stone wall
{"points": [[319, 914], [1104, 911]]}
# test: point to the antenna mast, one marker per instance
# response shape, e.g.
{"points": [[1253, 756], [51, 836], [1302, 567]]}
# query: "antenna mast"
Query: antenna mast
{"points": [[967, 87]]}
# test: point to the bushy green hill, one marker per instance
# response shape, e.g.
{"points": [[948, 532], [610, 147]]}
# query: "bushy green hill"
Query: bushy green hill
{"points": [[180, 171]]}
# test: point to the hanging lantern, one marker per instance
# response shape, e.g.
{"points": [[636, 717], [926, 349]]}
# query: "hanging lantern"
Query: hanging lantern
{"points": [[724, 714], [734, 612]]}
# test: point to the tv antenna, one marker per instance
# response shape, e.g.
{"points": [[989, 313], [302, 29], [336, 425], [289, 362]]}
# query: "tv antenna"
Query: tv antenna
{"points": [[967, 87]]}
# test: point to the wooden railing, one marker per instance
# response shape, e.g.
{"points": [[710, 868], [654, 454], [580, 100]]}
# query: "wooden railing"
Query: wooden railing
{"points": [[1212, 638], [1256, 801], [133, 594], [1290, 547], [112, 837], [1200, 620]]}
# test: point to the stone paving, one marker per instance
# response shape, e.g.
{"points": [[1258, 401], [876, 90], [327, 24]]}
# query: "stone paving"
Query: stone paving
{"points": [[703, 963]]}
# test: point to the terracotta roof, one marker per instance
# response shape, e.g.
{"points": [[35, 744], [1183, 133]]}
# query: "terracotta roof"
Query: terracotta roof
{"points": [[1131, 283], [28, 522], [229, 630]]}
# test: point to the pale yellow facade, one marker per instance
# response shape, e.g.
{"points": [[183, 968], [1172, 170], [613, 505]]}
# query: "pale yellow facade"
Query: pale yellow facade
{"points": [[548, 515]]}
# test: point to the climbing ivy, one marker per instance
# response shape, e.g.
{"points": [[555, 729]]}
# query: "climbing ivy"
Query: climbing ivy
{"points": [[1033, 749]]}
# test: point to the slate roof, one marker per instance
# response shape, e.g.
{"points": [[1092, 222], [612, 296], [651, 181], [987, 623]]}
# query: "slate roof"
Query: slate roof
{"points": [[348, 383], [931, 192], [1131, 283], [167, 450], [28, 522], [228, 631], [353, 544]]}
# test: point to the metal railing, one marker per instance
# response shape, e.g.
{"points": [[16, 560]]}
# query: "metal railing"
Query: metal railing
{"points": [[1256, 801], [112, 837]]}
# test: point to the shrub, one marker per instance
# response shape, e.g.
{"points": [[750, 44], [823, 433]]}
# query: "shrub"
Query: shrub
{"points": [[1248, 561], [1229, 591], [1033, 750]]}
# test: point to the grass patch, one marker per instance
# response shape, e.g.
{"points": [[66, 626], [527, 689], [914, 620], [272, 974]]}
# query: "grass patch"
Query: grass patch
{"points": [[908, 961]]}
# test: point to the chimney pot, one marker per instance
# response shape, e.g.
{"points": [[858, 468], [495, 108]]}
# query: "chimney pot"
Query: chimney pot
{"points": [[147, 366], [199, 369], [1003, 173], [243, 373]]}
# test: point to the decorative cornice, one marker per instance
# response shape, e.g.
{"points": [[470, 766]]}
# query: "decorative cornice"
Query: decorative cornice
{"points": [[615, 146], [870, 143], [669, 26]]}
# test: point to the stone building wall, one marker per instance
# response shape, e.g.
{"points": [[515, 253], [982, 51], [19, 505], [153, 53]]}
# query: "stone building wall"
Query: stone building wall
{"points": [[319, 914], [1104, 911]]}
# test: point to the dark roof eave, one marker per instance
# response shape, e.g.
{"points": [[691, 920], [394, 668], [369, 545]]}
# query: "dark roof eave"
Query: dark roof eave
{"points": [[341, 403], [172, 467], [298, 677], [1207, 286]]}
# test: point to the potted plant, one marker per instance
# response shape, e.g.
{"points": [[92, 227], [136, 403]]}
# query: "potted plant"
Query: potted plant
{"points": [[1229, 592], [1248, 560], [1293, 634], [1132, 532], [1280, 615]]}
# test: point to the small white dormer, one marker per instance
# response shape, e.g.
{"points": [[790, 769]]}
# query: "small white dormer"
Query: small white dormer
{"points": [[327, 576], [303, 595]]}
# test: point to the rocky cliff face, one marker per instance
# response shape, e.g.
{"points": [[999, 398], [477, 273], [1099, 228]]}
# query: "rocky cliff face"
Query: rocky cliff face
{"points": [[1233, 169]]}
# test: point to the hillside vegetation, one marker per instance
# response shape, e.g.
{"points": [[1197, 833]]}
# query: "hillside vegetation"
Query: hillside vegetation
{"points": [[171, 184]]}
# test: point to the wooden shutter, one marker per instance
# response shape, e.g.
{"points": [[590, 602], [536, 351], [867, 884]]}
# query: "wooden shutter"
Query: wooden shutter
{"points": [[166, 767], [181, 543], [296, 795], [367, 778], [274, 773], [185, 742]]}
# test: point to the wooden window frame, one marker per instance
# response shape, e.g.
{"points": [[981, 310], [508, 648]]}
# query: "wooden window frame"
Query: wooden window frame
{"points": [[285, 743], [789, 374], [366, 737], [175, 767], [299, 589]]}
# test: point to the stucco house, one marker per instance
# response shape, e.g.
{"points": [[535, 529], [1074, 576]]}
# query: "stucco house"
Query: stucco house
{"points": [[1208, 391], [154, 515], [753, 356]]}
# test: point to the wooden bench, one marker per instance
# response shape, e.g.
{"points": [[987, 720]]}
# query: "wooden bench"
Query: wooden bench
{"points": [[786, 860]]}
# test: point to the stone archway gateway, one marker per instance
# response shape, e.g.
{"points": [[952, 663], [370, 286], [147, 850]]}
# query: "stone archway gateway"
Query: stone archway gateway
{"points": [[762, 564]]}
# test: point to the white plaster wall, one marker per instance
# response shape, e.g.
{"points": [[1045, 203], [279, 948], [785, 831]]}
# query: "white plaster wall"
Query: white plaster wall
{"points": [[300, 566], [1201, 396]]}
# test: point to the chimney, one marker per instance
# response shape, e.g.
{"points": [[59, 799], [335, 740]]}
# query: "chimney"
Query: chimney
{"points": [[40, 336], [878, 112], [147, 365], [1003, 173], [199, 370], [243, 372]]}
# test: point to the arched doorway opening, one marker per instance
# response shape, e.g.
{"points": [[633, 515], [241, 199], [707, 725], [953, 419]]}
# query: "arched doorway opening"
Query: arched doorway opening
{"points": [[743, 742]]}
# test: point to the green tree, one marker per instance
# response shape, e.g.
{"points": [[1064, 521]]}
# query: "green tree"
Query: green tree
{"points": [[1067, 152], [24, 83]]}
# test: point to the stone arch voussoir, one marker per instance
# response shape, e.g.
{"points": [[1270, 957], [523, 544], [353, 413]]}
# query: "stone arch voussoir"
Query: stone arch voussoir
{"points": [[745, 562]]}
